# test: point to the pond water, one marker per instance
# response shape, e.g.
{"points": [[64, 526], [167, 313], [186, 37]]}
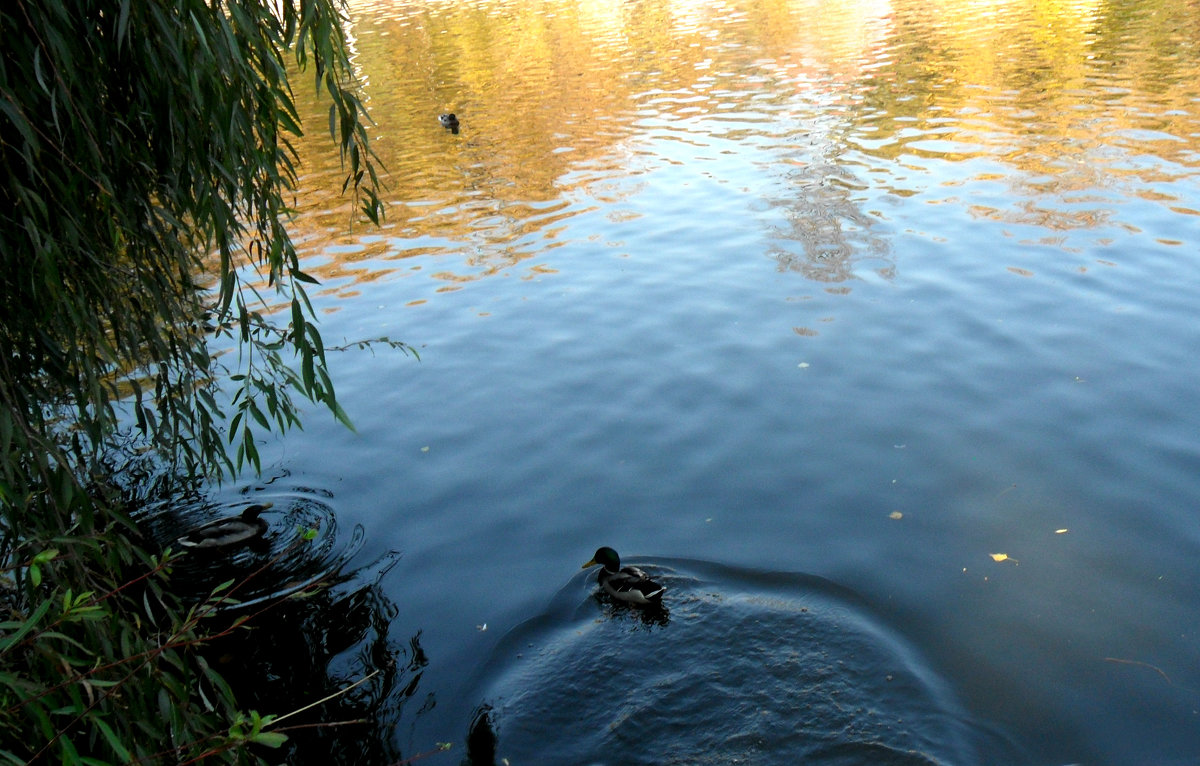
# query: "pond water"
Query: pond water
{"points": [[869, 326]]}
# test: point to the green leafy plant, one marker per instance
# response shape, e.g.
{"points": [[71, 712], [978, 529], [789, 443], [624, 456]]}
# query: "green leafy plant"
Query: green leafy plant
{"points": [[145, 163], [121, 676]]}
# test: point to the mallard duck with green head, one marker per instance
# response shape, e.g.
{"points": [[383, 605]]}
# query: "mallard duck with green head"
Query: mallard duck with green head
{"points": [[628, 584], [229, 531]]}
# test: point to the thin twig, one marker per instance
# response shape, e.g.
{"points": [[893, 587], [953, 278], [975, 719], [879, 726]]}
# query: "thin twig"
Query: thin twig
{"points": [[323, 700], [420, 756], [1155, 668], [323, 724]]}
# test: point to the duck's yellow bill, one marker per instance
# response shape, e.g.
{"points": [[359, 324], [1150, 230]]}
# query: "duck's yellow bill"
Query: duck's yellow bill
{"points": [[591, 563]]}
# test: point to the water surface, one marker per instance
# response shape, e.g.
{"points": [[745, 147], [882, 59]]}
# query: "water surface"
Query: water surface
{"points": [[774, 294]]}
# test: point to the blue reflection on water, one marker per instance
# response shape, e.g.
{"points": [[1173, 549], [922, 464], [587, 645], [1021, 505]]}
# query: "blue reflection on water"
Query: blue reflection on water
{"points": [[852, 308]]}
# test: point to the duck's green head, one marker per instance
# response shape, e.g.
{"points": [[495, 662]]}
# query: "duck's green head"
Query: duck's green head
{"points": [[605, 557]]}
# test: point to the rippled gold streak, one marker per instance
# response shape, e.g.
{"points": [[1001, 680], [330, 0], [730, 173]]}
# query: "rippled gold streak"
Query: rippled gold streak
{"points": [[1065, 108]]}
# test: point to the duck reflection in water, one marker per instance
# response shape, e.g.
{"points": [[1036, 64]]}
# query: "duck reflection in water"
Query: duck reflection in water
{"points": [[650, 615], [481, 739]]}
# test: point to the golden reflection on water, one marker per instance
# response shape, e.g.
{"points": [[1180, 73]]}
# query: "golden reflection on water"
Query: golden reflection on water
{"points": [[1028, 113]]}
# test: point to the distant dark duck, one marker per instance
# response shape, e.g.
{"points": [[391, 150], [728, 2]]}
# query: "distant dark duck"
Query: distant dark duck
{"points": [[624, 583], [229, 531], [449, 121]]}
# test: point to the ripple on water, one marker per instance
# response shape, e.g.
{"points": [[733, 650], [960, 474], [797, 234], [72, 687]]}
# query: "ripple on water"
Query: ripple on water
{"points": [[283, 562], [742, 667]]}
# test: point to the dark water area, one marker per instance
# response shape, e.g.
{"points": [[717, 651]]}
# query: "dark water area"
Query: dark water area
{"points": [[739, 667], [871, 326]]}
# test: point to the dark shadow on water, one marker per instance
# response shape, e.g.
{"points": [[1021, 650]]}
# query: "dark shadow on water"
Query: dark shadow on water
{"points": [[317, 629], [738, 666], [750, 667], [302, 650], [481, 739], [649, 615]]}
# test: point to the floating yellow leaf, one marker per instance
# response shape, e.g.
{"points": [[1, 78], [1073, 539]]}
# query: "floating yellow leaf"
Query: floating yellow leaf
{"points": [[1002, 557], [895, 515], [1061, 531]]}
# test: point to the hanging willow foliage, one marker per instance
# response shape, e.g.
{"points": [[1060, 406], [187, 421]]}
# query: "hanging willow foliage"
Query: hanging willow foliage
{"points": [[145, 160], [138, 138]]}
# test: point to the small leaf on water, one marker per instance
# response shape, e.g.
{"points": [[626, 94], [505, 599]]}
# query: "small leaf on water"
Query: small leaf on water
{"points": [[896, 515], [1002, 557], [1061, 531]]}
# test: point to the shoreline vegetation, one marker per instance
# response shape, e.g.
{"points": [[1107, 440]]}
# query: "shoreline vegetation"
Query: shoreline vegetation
{"points": [[146, 150]]}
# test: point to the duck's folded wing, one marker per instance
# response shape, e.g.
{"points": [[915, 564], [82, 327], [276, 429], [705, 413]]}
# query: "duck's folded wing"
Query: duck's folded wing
{"points": [[634, 579]]}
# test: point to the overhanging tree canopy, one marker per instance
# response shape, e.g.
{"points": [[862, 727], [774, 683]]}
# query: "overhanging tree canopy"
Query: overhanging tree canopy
{"points": [[144, 164], [137, 137]]}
